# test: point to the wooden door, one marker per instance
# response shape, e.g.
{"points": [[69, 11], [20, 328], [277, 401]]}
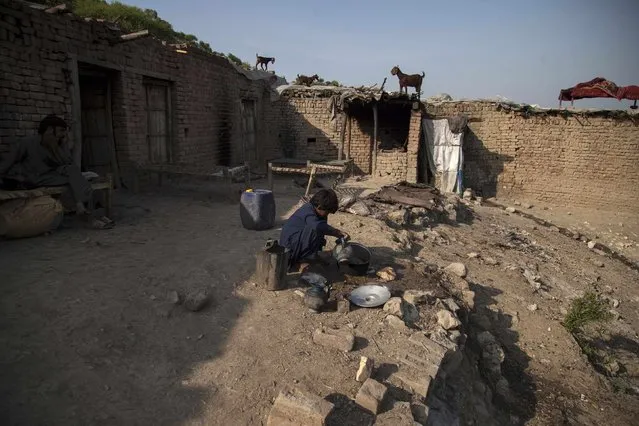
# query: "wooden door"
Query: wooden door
{"points": [[158, 125], [248, 131], [97, 130]]}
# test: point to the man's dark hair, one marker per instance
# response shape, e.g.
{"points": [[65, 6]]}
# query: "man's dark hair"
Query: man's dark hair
{"points": [[51, 121], [325, 199]]}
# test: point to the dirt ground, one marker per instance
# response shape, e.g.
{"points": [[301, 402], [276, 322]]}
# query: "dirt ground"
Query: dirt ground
{"points": [[90, 336]]}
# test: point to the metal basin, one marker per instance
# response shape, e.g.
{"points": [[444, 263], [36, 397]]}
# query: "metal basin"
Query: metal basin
{"points": [[353, 259]]}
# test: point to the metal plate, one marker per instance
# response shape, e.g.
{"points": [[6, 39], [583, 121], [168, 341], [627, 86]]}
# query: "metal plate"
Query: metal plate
{"points": [[370, 296]]}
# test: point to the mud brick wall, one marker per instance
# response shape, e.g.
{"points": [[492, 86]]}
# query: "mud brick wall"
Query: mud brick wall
{"points": [[37, 54], [586, 161], [391, 165], [298, 119]]}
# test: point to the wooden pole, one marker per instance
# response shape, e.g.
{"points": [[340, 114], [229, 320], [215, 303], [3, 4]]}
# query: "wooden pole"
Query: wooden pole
{"points": [[270, 175], [374, 168], [133, 36], [76, 111], [350, 127], [311, 180], [342, 136]]}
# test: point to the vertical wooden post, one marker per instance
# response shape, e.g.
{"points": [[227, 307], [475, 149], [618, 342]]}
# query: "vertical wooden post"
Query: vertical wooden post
{"points": [[342, 136], [270, 175], [350, 127], [76, 110], [311, 180], [374, 168], [112, 146]]}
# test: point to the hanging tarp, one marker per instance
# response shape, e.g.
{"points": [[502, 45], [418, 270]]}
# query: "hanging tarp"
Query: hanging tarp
{"points": [[445, 157]]}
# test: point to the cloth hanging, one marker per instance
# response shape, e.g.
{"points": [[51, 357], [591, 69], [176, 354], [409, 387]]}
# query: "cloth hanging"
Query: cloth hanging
{"points": [[445, 157]]}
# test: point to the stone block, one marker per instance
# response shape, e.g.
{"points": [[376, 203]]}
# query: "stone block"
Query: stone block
{"points": [[342, 340], [371, 395], [298, 407], [365, 369]]}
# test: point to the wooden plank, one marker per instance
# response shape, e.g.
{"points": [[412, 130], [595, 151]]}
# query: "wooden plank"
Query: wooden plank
{"points": [[135, 35]]}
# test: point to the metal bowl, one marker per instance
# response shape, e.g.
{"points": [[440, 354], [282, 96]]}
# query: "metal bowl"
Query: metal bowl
{"points": [[357, 260], [370, 296]]}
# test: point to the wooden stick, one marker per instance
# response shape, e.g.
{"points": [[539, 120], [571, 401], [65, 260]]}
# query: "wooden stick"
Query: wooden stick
{"points": [[383, 84], [311, 179], [133, 36], [374, 168], [342, 135], [270, 175]]}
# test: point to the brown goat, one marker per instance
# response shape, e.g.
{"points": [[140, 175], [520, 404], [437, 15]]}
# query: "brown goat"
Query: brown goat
{"points": [[408, 80], [307, 81], [263, 61]]}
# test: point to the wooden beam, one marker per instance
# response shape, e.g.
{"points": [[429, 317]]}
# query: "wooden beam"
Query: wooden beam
{"points": [[342, 136], [76, 111], [57, 9], [135, 35], [115, 171], [374, 168]]}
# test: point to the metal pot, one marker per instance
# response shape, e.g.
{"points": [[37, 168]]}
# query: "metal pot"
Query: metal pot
{"points": [[353, 258]]}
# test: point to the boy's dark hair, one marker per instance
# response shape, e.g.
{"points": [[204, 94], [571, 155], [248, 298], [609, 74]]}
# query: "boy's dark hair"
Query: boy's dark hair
{"points": [[51, 121], [325, 199]]}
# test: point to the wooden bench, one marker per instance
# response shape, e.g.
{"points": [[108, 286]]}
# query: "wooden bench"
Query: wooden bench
{"points": [[308, 167], [101, 183], [211, 172]]}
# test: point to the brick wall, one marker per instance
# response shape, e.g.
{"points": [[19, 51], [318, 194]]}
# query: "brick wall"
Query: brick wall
{"points": [[37, 51], [586, 161], [391, 165]]}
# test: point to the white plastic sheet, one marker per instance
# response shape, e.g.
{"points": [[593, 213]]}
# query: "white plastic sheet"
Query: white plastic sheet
{"points": [[444, 150]]}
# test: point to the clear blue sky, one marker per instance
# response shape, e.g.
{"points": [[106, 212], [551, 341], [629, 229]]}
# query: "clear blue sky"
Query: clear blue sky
{"points": [[524, 50]]}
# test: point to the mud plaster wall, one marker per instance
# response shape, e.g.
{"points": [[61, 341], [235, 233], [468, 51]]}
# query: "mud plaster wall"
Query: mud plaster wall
{"points": [[36, 51], [583, 161]]}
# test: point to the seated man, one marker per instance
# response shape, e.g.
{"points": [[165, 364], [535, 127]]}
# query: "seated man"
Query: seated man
{"points": [[45, 160], [303, 233]]}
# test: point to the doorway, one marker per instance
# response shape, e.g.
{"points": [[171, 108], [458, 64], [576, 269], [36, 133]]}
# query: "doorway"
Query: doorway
{"points": [[248, 131], [158, 114]]}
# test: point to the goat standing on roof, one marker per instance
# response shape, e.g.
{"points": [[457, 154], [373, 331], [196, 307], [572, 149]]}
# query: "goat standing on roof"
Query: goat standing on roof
{"points": [[408, 80], [263, 61], [307, 81]]}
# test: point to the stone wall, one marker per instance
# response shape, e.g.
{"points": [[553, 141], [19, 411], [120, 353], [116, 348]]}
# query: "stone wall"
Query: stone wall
{"points": [[38, 56], [583, 160]]}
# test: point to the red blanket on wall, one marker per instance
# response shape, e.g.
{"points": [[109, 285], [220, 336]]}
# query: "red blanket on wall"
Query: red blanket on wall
{"points": [[599, 88]]}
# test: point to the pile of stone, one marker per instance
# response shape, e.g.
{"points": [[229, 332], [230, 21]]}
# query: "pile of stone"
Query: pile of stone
{"points": [[429, 348], [408, 205]]}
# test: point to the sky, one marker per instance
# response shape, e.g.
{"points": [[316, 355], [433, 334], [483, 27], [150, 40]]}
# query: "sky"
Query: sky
{"points": [[525, 51]]}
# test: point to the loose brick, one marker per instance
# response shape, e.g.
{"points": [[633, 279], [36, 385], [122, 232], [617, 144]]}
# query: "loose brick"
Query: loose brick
{"points": [[342, 340], [297, 406], [371, 395]]}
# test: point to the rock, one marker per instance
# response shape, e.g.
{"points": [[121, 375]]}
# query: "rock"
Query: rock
{"points": [[468, 296], [532, 307], [420, 412], [458, 269], [450, 304], [517, 203], [295, 406], [455, 336], [402, 309], [511, 210], [342, 340], [473, 255], [387, 274], [490, 261], [417, 297], [174, 297], [592, 244], [418, 212], [359, 208], [343, 306], [346, 201], [492, 354], [394, 306], [612, 367], [371, 395], [399, 415], [598, 263], [447, 320], [395, 322], [527, 206], [196, 300], [614, 303], [400, 217], [468, 194], [365, 369]]}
